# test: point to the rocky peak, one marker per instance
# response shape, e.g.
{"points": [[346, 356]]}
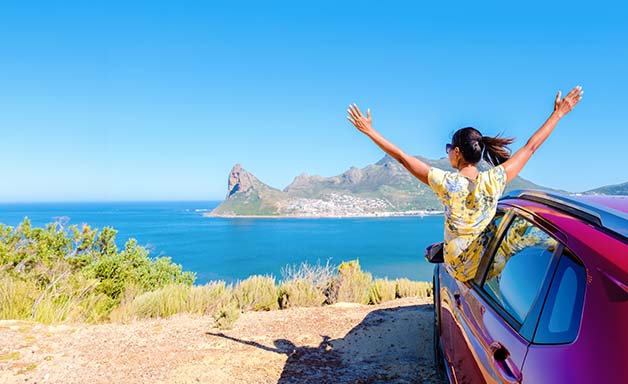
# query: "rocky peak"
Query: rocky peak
{"points": [[353, 175], [386, 161], [239, 180]]}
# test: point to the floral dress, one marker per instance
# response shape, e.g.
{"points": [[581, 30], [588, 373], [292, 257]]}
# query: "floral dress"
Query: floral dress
{"points": [[469, 207]]}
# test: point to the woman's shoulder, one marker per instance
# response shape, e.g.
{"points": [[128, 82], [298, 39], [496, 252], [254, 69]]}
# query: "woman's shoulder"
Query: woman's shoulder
{"points": [[495, 178], [496, 171], [436, 173]]}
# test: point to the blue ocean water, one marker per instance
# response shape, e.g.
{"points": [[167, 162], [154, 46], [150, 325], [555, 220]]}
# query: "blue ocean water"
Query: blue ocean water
{"points": [[233, 249]]}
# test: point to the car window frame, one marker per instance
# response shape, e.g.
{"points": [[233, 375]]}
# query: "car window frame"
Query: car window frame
{"points": [[526, 329]]}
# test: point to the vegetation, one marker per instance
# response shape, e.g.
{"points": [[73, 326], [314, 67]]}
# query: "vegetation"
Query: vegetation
{"points": [[57, 274], [382, 290]]}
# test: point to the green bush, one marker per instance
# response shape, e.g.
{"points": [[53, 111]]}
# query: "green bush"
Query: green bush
{"points": [[72, 274], [132, 266], [257, 293]]}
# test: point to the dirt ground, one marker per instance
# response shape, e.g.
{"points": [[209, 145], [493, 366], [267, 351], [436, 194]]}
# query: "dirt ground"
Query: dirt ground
{"points": [[342, 343]]}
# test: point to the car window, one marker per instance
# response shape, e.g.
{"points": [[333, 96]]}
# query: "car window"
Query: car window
{"points": [[560, 319], [519, 267], [476, 250]]}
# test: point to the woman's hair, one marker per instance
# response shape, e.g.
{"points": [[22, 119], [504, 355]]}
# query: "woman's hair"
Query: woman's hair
{"points": [[474, 146]]}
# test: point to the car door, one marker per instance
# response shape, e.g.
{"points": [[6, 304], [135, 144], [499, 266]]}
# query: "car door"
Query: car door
{"points": [[499, 310], [452, 319]]}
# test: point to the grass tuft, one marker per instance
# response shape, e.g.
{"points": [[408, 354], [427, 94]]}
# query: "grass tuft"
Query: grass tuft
{"points": [[409, 288], [351, 284], [382, 290], [257, 293]]}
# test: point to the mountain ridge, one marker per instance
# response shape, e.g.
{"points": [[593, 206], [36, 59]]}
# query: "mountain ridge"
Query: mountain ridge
{"points": [[384, 188]]}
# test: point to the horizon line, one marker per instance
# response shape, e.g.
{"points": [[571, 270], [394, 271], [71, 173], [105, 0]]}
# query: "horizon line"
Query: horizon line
{"points": [[107, 201]]}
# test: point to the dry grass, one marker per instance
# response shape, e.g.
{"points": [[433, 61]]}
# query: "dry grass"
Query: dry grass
{"points": [[257, 293], [382, 290], [353, 285], [173, 299], [409, 288]]}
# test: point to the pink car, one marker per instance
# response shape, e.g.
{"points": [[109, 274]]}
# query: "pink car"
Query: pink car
{"points": [[549, 303]]}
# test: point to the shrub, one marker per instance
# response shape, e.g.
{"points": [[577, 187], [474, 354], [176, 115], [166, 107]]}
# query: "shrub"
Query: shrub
{"points": [[382, 290], [206, 299], [304, 285], [300, 293], [408, 288], [56, 273], [226, 315], [351, 285], [132, 266], [257, 293], [318, 275]]}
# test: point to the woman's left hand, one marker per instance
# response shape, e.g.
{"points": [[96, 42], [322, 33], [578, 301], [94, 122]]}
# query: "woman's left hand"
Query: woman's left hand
{"points": [[565, 105], [363, 124]]}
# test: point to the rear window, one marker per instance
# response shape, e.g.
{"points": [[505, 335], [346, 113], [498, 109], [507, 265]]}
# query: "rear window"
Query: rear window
{"points": [[560, 319]]}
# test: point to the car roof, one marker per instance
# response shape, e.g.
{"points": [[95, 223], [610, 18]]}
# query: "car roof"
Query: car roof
{"points": [[606, 212], [619, 203]]}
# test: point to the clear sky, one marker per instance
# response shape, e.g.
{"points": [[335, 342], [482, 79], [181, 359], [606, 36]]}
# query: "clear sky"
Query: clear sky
{"points": [[132, 100]]}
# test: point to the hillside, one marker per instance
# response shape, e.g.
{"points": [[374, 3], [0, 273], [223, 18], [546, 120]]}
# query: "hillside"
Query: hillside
{"points": [[616, 189]]}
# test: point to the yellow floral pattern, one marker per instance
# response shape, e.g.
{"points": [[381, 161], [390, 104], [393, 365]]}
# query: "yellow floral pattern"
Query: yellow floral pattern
{"points": [[469, 207]]}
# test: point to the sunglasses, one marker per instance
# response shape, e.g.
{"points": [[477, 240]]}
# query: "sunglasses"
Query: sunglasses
{"points": [[449, 147]]}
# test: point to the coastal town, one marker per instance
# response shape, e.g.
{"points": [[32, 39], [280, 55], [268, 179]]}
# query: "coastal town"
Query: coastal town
{"points": [[341, 205]]}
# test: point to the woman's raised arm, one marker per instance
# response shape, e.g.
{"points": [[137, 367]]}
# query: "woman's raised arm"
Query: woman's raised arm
{"points": [[561, 107], [364, 124]]}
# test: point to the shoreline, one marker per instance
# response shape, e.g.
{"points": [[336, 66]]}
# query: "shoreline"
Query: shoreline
{"points": [[363, 216]]}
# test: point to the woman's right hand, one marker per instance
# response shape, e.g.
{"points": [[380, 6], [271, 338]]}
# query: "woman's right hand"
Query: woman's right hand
{"points": [[363, 124], [565, 105]]}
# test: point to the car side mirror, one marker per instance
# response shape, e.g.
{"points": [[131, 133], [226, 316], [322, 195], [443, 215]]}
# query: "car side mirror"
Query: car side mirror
{"points": [[434, 253]]}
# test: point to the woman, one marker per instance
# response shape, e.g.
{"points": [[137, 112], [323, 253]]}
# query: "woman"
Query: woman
{"points": [[469, 196]]}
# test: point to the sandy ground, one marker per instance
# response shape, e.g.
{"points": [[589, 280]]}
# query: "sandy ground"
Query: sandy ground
{"points": [[342, 343]]}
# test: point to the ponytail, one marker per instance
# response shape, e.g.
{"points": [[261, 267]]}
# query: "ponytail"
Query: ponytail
{"points": [[496, 149]]}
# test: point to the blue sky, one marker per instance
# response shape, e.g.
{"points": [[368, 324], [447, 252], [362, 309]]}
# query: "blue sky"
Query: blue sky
{"points": [[158, 100]]}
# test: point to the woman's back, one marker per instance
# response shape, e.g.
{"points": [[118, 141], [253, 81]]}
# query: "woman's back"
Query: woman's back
{"points": [[469, 207]]}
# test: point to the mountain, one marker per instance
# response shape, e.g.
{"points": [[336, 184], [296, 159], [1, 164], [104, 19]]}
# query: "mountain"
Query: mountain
{"points": [[616, 189], [383, 188], [247, 195]]}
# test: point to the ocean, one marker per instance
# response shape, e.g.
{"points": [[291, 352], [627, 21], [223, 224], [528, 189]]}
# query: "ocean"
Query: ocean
{"points": [[232, 249]]}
